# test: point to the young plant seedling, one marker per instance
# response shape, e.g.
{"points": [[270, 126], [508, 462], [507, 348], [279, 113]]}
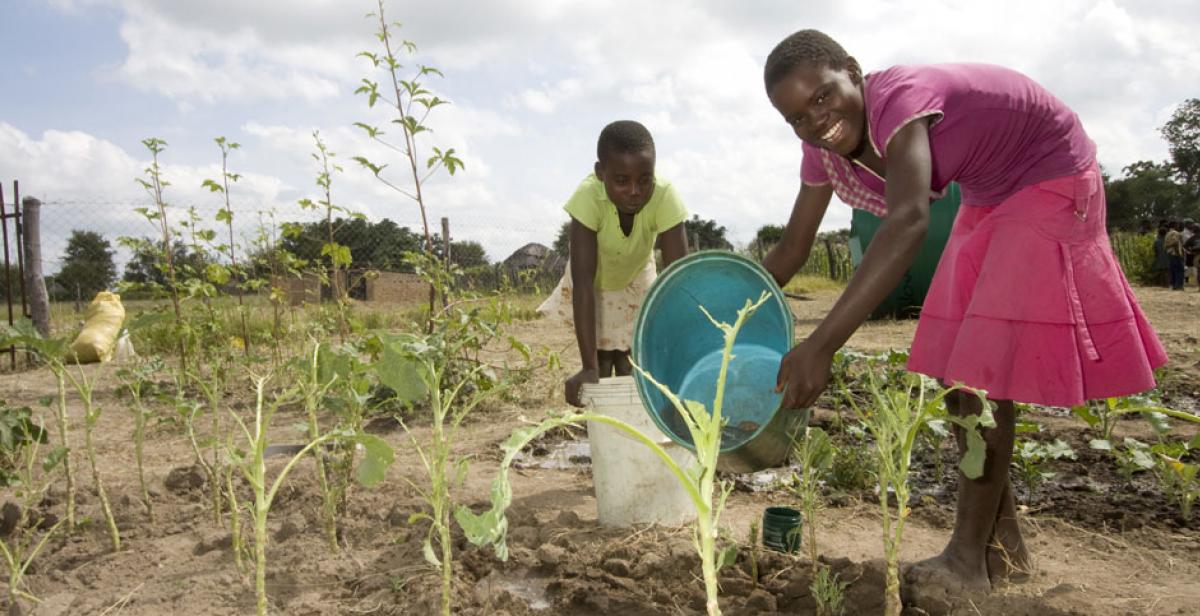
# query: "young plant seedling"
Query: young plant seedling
{"points": [[252, 463], [154, 185], [86, 387], [137, 382], [409, 103], [815, 455], [895, 415], [1103, 414], [225, 215], [829, 592], [29, 476], [1179, 479], [53, 351], [491, 527], [1030, 459], [1135, 457]]}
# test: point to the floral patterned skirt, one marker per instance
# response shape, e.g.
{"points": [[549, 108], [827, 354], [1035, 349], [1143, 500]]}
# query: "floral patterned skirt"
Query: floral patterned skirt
{"points": [[616, 310]]}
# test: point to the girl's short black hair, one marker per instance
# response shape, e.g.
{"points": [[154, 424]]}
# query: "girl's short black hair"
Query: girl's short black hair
{"points": [[804, 47], [623, 137]]}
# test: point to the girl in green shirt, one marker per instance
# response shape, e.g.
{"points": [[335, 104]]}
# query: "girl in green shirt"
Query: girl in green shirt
{"points": [[617, 215]]}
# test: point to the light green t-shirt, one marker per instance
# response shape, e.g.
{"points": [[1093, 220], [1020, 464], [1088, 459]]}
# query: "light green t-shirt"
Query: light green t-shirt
{"points": [[620, 258]]}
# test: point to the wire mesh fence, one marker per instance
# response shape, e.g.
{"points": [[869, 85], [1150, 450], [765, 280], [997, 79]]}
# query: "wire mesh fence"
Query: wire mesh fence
{"points": [[84, 251]]}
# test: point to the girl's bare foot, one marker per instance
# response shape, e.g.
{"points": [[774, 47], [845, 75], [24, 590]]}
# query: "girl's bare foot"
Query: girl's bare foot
{"points": [[946, 571]]}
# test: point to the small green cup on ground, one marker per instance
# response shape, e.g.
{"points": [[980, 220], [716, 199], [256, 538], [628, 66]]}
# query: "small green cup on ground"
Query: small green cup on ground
{"points": [[781, 529]]}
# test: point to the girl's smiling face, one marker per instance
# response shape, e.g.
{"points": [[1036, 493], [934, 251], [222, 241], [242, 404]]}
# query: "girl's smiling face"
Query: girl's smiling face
{"points": [[824, 106]]}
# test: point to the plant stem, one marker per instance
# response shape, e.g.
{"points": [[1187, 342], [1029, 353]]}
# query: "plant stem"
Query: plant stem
{"points": [[440, 495], [261, 509], [113, 534], [64, 436], [156, 191], [704, 527], [235, 521], [255, 471], [139, 432], [328, 502], [214, 405], [209, 471], [891, 592], [262, 504], [91, 415], [233, 250]]}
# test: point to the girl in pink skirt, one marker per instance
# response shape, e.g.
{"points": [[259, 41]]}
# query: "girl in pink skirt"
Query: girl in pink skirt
{"points": [[1027, 303]]}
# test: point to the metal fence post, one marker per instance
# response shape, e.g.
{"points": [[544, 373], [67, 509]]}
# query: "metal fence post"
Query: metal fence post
{"points": [[8, 286]]}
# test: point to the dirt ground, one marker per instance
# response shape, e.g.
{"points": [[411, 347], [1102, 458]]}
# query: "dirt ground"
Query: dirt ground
{"points": [[1101, 547]]}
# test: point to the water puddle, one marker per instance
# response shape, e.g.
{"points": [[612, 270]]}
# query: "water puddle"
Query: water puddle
{"points": [[766, 480], [531, 590], [563, 455]]}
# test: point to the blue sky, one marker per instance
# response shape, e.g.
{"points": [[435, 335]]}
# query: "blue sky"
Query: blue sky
{"points": [[531, 82]]}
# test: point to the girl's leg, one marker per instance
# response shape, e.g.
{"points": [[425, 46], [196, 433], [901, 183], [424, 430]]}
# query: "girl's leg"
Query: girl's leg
{"points": [[604, 362], [964, 560], [621, 363], [1007, 556]]}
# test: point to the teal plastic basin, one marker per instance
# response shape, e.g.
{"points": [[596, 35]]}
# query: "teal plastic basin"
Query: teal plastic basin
{"points": [[676, 343]]}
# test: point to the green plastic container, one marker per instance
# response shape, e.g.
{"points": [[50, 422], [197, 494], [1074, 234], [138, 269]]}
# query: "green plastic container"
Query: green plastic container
{"points": [[675, 342], [781, 529], [904, 302]]}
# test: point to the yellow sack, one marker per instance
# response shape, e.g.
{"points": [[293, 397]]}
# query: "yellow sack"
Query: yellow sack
{"points": [[99, 336]]}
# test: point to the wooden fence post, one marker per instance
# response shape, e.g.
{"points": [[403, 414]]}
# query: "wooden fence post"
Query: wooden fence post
{"points": [[833, 269], [446, 255], [35, 284], [446, 239]]}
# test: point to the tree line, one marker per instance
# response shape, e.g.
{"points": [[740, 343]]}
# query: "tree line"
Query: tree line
{"points": [[1144, 193]]}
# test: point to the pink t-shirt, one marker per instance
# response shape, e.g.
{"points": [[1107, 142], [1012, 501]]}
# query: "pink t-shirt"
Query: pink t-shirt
{"points": [[992, 130]]}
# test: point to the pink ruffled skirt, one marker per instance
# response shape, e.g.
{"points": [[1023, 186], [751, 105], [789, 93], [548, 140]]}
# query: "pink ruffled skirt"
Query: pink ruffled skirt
{"points": [[1029, 304]]}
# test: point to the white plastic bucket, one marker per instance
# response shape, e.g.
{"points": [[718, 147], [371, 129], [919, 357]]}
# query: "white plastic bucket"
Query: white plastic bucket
{"points": [[633, 485]]}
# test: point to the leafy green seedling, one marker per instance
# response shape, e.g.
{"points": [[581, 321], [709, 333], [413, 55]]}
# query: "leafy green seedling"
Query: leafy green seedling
{"points": [[1103, 414], [1030, 460], [491, 526], [28, 475], [91, 416], [829, 592], [53, 351], [137, 382], [894, 416], [409, 103], [1135, 457], [252, 463], [814, 453]]}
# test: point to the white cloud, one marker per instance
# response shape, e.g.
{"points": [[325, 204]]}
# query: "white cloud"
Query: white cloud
{"points": [[533, 81], [76, 7], [68, 164], [193, 65], [89, 183], [548, 98]]}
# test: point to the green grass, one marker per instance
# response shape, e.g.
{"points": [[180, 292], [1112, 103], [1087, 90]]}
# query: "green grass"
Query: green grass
{"points": [[65, 321], [807, 283]]}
